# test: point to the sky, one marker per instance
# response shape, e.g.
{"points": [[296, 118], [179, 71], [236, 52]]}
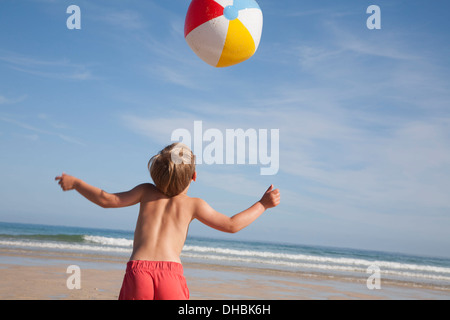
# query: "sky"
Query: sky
{"points": [[363, 116]]}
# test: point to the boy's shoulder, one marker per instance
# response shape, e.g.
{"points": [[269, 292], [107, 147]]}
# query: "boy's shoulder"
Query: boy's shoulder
{"points": [[151, 190], [199, 202], [147, 188]]}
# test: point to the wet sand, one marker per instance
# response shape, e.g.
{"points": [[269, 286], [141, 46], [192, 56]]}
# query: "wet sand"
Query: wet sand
{"points": [[26, 275]]}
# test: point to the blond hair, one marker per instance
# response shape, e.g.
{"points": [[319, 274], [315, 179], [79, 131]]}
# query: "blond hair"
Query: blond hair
{"points": [[172, 169]]}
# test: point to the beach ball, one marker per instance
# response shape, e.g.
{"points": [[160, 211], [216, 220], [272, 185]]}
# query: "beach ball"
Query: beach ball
{"points": [[223, 32]]}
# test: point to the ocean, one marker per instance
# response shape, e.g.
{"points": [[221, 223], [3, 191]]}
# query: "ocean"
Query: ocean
{"points": [[434, 271]]}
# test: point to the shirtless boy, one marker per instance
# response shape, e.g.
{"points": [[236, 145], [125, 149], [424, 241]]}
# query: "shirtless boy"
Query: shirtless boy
{"points": [[154, 270]]}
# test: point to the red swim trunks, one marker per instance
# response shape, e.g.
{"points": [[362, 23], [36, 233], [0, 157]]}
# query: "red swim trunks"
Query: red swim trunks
{"points": [[154, 280]]}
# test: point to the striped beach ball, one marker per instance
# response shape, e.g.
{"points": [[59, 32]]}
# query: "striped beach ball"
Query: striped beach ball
{"points": [[223, 32]]}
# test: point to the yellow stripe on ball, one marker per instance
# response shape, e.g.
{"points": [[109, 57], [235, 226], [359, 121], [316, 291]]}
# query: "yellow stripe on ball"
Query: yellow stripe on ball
{"points": [[239, 45]]}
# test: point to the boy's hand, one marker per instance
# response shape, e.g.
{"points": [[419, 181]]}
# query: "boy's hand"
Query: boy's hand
{"points": [[271, 198], [66, 182]]}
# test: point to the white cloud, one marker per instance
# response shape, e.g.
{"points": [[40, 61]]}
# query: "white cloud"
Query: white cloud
{"points": [[173, 76], [158, 129], [41, 131], [61, 69], [127, 19], [5, 100], [235, 183]]}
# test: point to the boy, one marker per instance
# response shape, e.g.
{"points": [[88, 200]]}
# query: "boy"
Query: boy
{"points": [[154, 270]]}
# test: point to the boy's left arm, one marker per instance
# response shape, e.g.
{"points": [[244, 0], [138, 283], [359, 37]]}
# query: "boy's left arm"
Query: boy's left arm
{"points": [[99, 196]]}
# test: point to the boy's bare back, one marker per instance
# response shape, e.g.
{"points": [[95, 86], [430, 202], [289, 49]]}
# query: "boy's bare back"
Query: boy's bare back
{"points": [[162, 225]]}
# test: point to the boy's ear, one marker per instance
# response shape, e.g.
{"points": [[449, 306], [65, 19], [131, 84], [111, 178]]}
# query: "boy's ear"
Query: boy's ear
{"points": [[194, 176]]}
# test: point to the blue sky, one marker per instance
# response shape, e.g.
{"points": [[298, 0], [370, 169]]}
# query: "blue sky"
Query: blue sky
{"points": [[364, 116]]}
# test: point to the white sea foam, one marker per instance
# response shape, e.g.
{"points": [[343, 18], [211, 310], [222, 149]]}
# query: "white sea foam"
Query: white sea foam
{"points": [[64, 246], [119, 242], [292, 261], [337, 263], [315, 266]]}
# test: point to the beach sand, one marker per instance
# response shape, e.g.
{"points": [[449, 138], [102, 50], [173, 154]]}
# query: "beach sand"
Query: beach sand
{"points": [[43, 275]]}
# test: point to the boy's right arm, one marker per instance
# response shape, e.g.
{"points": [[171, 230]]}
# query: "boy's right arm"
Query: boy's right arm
{"points": [[207, 215], [99, 196]]}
